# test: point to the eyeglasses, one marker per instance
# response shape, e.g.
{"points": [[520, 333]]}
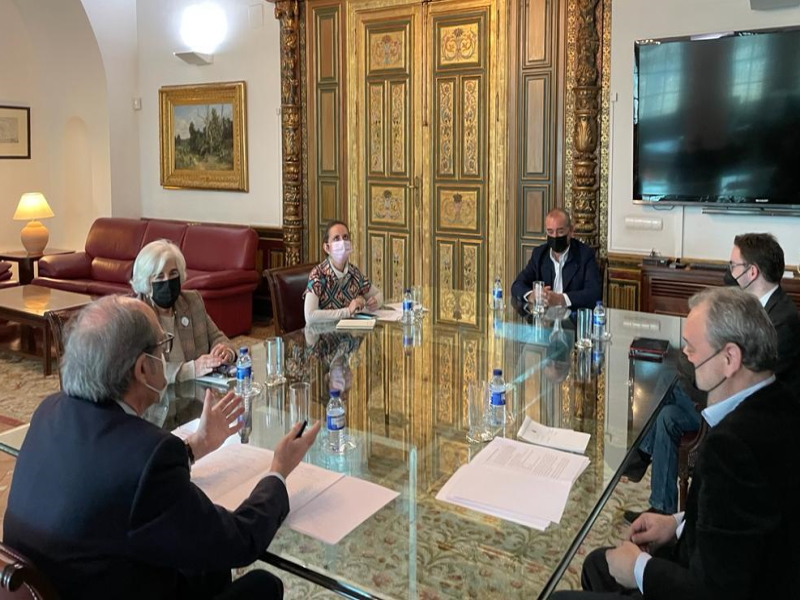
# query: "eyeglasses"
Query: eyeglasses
{"points": [[733, 265], [166, 342]]}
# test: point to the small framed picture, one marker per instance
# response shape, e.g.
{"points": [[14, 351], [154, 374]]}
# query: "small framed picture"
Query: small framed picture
{"points": [[15, 132], [204, 136]]}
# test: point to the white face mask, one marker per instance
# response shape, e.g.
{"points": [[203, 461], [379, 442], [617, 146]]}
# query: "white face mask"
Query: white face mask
{"points": [[163, 390], [340, 250]]}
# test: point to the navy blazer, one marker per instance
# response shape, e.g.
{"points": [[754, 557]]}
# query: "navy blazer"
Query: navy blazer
{"points": [[101, 501], [580, 275]]}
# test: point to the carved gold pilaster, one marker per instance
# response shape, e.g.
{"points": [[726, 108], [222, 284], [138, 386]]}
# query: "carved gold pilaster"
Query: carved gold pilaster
{"points": [[288, 13], [586, 92]]}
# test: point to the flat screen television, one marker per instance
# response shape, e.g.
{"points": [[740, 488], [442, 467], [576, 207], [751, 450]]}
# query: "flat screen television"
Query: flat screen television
{"points": [[717, 120]]}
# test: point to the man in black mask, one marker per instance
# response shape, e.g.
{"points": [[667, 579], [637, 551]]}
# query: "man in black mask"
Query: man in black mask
{"points": [[567, 267], [756, 266]]}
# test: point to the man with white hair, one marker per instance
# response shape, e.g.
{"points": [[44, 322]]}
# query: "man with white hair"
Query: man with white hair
{"points": [[738, 536], [101, 499]]}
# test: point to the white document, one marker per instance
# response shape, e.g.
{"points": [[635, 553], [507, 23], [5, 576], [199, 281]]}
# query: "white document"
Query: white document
{"points": [[365, 324], [517, 482], [344, 506], [216, 380], [553, 437], [530, 460], [390, 315], [323, 504]]}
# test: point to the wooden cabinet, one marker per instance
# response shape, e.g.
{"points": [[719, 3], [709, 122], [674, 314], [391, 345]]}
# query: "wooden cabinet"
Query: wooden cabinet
{"points": [[667, 291]]}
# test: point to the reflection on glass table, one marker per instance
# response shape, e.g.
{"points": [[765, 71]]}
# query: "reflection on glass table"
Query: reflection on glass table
{"points": [[407, 411]]}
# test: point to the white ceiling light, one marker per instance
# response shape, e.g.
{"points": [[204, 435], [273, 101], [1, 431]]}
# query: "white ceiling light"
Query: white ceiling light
{"points": [[203, 27]]}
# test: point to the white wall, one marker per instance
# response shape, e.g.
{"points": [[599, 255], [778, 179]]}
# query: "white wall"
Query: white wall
{"points": [[250, 53], [114, 26], [49, 60], [686, 231]]}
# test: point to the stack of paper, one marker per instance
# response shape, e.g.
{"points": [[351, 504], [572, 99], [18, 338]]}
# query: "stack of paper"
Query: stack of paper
{"points": [[356, 324], [324, 505], [553, 437], [517, 482]]}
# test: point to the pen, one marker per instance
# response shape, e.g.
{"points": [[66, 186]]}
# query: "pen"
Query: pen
{"points": [[302, 429]]}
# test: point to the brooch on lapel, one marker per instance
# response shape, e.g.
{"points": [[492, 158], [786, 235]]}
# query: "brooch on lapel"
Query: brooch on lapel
{"points": [[185, 321]]}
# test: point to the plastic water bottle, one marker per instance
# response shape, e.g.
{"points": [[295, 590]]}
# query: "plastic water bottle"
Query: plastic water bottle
{"points": [[497, 408], [497, 294], [408, 338], [408, 306], [599, 321], [244, 371], [335, 423]]}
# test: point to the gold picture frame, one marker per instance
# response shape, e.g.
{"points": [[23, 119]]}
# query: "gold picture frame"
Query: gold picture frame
{"points": [[203, 136]]}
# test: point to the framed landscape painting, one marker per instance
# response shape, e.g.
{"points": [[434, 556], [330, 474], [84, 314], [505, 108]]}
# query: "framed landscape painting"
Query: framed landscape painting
{"points": [[203, 135], [15, 132]]}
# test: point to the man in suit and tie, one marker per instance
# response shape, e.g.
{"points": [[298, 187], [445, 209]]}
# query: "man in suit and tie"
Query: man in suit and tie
{"points": [[737, 539], [756, 265], [101, 499], [567, 267]]}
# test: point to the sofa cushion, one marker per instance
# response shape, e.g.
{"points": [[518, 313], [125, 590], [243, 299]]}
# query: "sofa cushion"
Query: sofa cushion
{"points": [[79, 286], [104, 288], [215, 248], [112, 270], [116, 238], [164, 230], [66, 266]]}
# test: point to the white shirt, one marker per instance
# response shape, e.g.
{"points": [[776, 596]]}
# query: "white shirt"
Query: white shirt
{"points": [[765, 298], [558, 280], [713, 415]]}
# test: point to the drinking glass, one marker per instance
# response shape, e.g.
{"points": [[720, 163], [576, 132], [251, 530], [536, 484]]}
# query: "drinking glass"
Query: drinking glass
{"points": [[274, 346], [416, 294], [299, 402], [539, 300], [584, 337], [478, 404]]}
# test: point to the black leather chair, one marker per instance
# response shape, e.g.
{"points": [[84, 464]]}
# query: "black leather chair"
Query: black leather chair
{"points": [[286, 286], [19, 578]]}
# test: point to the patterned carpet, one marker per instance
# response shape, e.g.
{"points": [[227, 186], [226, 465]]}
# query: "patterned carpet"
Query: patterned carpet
{"points": [[24, 387]]}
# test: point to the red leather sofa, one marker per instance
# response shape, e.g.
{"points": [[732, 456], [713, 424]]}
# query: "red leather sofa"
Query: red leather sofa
{"points": [[5, 275], [220, 264]]}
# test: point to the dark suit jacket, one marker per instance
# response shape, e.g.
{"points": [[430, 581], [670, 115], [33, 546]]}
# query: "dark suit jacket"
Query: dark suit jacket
{"points": [[581, 277], [783, 314], [101, 501], [742, 527]]}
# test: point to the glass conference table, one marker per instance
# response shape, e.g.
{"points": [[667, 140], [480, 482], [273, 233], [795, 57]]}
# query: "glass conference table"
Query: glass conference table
{"points": [[405, 391]]}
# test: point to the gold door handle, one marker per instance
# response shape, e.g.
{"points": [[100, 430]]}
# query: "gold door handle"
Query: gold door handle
{"points": [[415, 188]]}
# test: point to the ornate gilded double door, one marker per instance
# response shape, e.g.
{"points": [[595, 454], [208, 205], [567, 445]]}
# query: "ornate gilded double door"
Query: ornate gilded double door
{"points": [[425, 148]]}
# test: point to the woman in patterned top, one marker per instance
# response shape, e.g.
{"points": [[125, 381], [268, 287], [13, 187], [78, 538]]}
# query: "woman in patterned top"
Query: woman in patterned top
{"points": [[337, 289]]}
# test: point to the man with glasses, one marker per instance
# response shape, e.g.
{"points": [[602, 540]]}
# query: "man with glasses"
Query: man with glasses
{"points": [[737, 539], [756, 266], [101, 499]]}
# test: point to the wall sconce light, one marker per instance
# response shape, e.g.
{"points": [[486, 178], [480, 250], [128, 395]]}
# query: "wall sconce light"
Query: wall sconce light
{"points": [[195, 58]]}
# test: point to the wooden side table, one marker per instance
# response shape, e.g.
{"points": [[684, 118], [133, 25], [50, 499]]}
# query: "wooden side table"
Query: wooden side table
{"points": [[26, 261]]}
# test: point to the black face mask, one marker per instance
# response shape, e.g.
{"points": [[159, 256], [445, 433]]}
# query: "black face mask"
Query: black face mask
{"points": [[165, 293], [730, 280], [558, 244]]}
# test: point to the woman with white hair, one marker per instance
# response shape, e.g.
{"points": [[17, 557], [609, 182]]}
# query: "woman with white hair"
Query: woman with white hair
{"points": [[200, 347]]}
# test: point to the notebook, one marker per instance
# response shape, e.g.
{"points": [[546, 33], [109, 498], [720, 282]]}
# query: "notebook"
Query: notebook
{"points": [[363, 324]]}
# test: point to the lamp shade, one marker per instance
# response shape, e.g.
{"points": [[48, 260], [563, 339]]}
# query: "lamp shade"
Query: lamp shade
{"points": [[33, 205]]}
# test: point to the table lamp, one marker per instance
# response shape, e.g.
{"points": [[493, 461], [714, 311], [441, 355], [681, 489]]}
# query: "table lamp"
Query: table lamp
{"points": [[34, 236]]}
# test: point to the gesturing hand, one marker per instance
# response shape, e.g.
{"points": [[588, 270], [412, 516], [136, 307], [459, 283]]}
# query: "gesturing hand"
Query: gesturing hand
{"points": [[217, 422], [651, 531], [372, 303], [356, 304], [291, 449], [203, 365]]}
